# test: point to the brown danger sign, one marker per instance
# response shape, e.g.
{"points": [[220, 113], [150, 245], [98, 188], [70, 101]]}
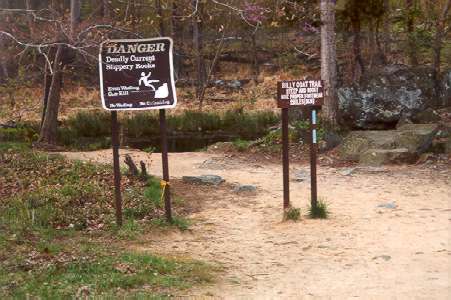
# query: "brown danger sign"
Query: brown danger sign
{"points": [[299, 93], [137, 74]]}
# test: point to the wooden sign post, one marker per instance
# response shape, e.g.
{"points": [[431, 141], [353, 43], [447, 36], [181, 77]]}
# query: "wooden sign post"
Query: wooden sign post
{"points": [[306, 93], [137, 74]]}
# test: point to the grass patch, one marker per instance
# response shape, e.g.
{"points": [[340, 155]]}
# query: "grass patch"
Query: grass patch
{"points": [[241, 145], [293, 214], [178, 222], [58, 239], [98, 272], [320, 211]]}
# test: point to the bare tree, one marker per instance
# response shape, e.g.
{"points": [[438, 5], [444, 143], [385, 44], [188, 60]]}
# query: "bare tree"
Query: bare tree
{"points": [[198, 46], [48, 133], [329, 61], [440, 33], [411, 44]]}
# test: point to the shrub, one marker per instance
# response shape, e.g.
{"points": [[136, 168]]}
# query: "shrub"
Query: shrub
{"points": [[320, 211], [90, 124], [292, 213]]}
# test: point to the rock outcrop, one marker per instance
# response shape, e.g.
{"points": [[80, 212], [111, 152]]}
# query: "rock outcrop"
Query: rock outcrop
{"points": [[403, 145], [384, 97]]}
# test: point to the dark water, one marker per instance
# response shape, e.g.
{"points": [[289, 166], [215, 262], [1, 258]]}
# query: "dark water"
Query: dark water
{"points": [[181, 143]]}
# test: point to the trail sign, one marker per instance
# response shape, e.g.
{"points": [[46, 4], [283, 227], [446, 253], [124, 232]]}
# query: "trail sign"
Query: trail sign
{"points": [[137, 74], [306, 93], [299, 93]]}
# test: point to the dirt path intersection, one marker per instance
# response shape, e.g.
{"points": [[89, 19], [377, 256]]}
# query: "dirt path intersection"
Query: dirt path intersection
{"points": [[388, 236]]}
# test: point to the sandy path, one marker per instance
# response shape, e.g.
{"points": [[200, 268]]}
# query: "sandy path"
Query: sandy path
{"points": [[362, 251]]}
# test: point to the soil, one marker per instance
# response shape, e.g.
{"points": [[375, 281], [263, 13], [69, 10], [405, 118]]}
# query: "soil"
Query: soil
{"points": [[388, 235]]}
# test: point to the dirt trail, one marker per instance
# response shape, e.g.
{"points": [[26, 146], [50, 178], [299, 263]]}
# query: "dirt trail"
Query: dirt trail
{"points": [[363, 250]]}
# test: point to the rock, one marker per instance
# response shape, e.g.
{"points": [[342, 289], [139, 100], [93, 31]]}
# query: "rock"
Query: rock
{"points": [[378, 157], [426, 116], [347, 171], [416, 137], [390, 205], [301, 175], [245, 189], [405, 119], [331, 140], [383, 96], [385, 146], [213, 164], [357, 142], [204, 179], [384, 257], [445, 90]]}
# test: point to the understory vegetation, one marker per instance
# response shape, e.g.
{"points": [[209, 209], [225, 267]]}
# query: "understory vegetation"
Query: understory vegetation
{"points": [[57, 217], [92, 130]]}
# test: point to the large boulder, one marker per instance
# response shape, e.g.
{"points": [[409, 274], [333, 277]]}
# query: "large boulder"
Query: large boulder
{"points": [[384, 96], [377, 147]]}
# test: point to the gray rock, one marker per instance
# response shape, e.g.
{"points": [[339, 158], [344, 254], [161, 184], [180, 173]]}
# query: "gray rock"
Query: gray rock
{"points": [[301, 175], [378, 157], [388, 145], [426, 116], [390, 205], [383, 96], [245, 189], [384, 257], [204, 179], [347, 171], [446, 89]]}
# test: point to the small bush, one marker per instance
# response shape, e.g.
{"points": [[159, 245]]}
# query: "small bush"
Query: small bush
{"points": [[241, 145], [293, 214], [320, 211], [90, 124]]}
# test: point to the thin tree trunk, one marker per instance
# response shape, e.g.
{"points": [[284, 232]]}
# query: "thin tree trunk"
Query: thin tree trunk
{"points": [[254, 58], [198, 47], [75, 6], [106, 9], [358, 66], [411, 44], [329, 61], [49, 126], [159, 11], [437, 48], [386, 29]]}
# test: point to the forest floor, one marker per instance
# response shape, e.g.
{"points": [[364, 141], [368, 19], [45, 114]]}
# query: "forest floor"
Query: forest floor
{"points": [[387, 235]]}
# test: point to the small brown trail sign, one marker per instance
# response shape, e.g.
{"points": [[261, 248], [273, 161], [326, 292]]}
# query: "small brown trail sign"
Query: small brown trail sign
{"points": [[303, 93], [137, 75]]}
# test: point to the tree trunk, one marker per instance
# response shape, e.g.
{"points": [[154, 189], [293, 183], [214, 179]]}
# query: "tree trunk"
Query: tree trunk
{"points": [[329, 62], [198, 46], [74, 16], [254, 58], [358, 66], [105, 9], [159, 11], [437, 49], [47, 84], [411, 44], [49, 126], [386, 30]]}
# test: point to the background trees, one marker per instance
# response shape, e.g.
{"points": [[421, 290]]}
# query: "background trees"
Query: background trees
{"points": [[223, 38]]}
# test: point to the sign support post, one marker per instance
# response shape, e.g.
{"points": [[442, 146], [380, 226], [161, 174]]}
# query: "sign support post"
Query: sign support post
{"points": [[285, 159], [164, 158], [299, 93], [116, 167], [313, 152]]}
